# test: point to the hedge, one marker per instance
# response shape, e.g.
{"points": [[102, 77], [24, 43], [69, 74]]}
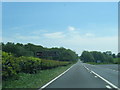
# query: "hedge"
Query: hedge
{"points": [[48, 64], [29, 64], [11, 65]]}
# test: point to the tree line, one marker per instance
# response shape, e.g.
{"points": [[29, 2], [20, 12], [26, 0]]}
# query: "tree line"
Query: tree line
{"points": [[19, 49], [99, 57]]}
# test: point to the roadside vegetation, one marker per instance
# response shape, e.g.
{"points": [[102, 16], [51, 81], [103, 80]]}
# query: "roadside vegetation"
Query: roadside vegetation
{"points": [[95, 57], [31, 50], [35, 80], [21, 66]]}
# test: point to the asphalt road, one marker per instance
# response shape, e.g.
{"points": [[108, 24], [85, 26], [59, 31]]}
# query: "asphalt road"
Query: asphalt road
{"points": [[113, 67], [83, 75], [109, 72]]}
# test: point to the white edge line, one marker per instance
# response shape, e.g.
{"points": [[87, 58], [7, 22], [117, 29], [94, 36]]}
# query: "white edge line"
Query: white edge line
{"points": [[105, 80], [55, 78]]}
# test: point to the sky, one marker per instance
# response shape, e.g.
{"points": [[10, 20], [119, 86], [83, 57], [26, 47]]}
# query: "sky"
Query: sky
{"points": [[79, 26]]}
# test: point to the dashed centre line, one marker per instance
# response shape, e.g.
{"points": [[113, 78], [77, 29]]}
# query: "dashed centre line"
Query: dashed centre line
{"points": [[107, 86], [95, 76]]}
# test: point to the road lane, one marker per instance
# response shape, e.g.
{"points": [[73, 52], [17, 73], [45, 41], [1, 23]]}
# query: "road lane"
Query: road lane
{"points": [[109, 74], [79, 77], [113, 67]]}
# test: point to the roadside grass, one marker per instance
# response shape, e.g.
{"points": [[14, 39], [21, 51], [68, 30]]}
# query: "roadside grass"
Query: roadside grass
{"points": [[34, 80], [116, 60]]}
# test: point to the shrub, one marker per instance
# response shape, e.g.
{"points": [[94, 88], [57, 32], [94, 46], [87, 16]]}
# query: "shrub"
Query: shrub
{"points": [[29, 64], [10, 66], [116, 60]]}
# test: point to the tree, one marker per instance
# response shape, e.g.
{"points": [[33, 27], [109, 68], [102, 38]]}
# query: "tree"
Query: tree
{"points": [[108, 53], [113, 55], [95, 56], [87, 57], [60, 54], [118, 55]]}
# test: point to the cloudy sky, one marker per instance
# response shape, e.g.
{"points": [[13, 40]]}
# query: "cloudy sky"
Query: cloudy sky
{"points": [[78, 26]]}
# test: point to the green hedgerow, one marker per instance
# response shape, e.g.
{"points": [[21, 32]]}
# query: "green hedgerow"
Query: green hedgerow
{"points": [[29, 64], [10, 66]]}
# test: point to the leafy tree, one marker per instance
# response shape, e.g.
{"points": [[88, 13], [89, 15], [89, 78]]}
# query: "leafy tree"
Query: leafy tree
{"points": [[87, 57], [113, 55], [109, 53], [62, 54], [95, 56], [118, 55]]}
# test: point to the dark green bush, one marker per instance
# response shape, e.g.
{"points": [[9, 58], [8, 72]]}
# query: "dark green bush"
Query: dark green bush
{"points": [[29, 64]]}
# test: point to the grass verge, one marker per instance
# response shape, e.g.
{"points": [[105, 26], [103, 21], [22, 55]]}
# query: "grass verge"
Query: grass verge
{"points": [[34, 80]]}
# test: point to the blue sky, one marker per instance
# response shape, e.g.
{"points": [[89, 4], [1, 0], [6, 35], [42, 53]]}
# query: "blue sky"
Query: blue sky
{"points": [[78, 26]]}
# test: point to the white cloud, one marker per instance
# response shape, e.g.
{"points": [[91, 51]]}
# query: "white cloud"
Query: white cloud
{"points": [[89, 34], [25, 38], [79, 42], [55, 35], [28, 37], [71, 28], [73, 40], [38, 32]]}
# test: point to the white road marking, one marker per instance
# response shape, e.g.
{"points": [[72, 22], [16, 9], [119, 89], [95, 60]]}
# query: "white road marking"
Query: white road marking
{"points": [[114, 70], [106, 80], [86, 67], [106, 68], [55, 78], [90, 72], [95, 76], [107, 86]]}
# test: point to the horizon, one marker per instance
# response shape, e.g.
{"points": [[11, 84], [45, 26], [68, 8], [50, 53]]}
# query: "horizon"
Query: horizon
{"points": [[78, 26], [59, 47]]}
